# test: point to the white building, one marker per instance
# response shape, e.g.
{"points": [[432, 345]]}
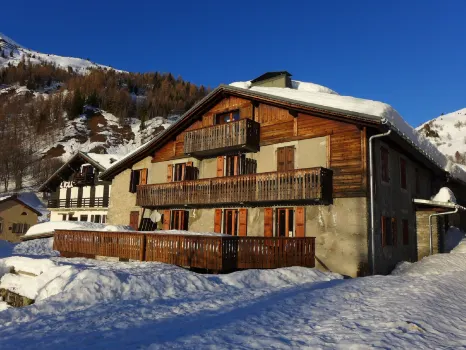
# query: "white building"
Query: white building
{"points": [[75, 192]]}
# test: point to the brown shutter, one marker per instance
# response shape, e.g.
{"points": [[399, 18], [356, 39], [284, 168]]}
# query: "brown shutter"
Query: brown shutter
{"points": [[218, 221], [169, 172], [220, 164], [131, 181], [143, 179], [300, 221], [289, 158], [268, 222], [236, 166], [189, 171], [133, 220], [166, 220], [243, 222], [183, 171], [281, 159]]}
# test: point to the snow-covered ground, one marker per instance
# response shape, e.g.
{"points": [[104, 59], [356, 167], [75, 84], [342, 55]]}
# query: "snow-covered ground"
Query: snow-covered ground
{"points": [[90, 304]]}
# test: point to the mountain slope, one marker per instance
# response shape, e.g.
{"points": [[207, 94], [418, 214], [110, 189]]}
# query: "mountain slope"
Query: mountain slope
{"points": [[12, 54], [448, 133]]}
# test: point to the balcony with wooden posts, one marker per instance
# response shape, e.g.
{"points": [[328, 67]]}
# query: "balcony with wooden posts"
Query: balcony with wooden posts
{"points": [[83, 179], [242, 135], [214, 253], [99, 202], [312, 185]]}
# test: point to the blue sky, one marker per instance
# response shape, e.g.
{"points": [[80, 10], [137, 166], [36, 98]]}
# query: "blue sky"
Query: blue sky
{"points": [[410, 54]]}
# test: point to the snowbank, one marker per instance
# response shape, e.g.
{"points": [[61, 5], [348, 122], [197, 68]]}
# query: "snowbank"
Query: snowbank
{"points": [[51, 226], [36, 247], [444, 195]]}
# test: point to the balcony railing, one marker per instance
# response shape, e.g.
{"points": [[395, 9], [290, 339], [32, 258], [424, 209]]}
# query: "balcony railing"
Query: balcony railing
{"points": [[83, 179], [78, 203], [242, 135], [309, 185]]}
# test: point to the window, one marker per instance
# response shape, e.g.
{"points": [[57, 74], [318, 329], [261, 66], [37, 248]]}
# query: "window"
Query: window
{"points": [[284, 222], [418, 181], [179, 220], [285, 158], [384, 156], [63, 217], [87, 169], [184, 171], [83, 218], [138, 177], [96, 218], [235, 165], [72, 218], [230, 222], [389, 231], [405, 232], [228, 117], [403, 181], [24, 213], [104, 219], [20, 228]]}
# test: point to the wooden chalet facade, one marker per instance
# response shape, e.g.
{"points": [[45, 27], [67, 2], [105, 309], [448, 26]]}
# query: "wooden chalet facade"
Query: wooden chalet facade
{"points": [[74, 191], [249, 163]]}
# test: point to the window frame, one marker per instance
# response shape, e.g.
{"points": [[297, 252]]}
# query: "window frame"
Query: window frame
{"points": [[234, 116], [234, 223], [389, 231], [287, 211], [180, 215]]}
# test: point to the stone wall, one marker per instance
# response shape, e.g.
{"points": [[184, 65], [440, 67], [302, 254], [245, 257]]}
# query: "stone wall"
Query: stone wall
{"points": [[423, 234]]}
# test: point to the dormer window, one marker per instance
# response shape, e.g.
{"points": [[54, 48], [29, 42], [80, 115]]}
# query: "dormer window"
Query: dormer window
{"points": [[228, 117]]}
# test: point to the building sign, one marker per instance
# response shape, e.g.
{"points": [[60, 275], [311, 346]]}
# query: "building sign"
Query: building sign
{"points": [[67, 184]]}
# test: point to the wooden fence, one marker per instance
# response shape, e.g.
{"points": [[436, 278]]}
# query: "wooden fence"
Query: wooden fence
{"points": [[215, 253]]}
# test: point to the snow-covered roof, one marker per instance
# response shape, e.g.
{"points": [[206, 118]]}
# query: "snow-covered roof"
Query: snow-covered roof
{"points": [[105, 160], [19, 200]]}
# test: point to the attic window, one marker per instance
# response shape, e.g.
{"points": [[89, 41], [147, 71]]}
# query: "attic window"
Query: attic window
{"points": [[228, 117], [24, 213]]}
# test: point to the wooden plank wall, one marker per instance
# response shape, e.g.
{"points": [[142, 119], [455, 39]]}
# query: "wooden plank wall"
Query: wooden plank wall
{"points": [[347, 143]]}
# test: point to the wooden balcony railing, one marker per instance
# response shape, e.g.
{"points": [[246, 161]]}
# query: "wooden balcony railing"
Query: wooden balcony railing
{"points": [[240, 135], [312, 184], [78, 203], [217, 253]]}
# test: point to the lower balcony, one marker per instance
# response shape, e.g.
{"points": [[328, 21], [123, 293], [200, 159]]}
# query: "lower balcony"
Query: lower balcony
{"points": [[312, 185], [78, 203]]}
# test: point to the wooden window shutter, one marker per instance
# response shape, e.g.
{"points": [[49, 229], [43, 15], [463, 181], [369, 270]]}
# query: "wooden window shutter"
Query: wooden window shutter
{"points": [[133, 219], [189, 174], [143, 178], [300, 221], [220, 165], [268, 222], [289, 158], [236, 166], [183, 171], [218, 221], [394, 232], [281, 159], [131, 181], [166, 220], [169, 172], [243, 222]]}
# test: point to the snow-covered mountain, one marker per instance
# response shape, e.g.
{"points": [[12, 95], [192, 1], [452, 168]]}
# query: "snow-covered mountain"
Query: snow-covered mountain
{"points": [[448, 133], [12, 53]]}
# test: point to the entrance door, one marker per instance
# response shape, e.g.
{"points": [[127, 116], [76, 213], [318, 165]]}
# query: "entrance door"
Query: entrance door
{"points": [[134, 220], [230, 222], [285, 222]]}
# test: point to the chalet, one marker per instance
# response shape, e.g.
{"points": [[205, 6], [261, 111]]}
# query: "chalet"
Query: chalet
{"points": [[75, 192], [276, 157], [16, 216]]}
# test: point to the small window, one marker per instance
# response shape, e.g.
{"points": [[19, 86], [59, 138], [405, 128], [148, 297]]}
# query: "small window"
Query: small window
{"points": [[97, 219], [228, 117], [179, 220], [384, 156], [403, 173], [104, 219], [83, 218], [184, 171], [389, 231], [20, 228], [284, 222], [24, 213], [63, 217], [405, 232], [137, 177]]}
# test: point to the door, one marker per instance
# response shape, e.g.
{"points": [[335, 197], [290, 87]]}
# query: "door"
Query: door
{"points": [[230, 222], [134, 220], [179, 220], [285, 222]]}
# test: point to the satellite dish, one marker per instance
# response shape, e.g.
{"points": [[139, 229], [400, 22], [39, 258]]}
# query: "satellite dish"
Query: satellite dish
{"points": [[155, 216]]}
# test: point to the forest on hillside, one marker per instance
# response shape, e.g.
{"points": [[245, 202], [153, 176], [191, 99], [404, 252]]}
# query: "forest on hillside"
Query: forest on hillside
{"points": [[56, 96]]}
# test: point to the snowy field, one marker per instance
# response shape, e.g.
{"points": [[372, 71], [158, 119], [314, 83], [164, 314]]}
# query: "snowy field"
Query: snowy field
{"points": [[88, 304]]}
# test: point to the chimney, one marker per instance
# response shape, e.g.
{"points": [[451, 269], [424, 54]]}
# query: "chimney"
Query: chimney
{"points": [[280, 79]]}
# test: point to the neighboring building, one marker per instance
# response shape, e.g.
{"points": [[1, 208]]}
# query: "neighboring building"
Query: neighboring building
{"points": [[16, 217], [75, 192], [265, 161]]}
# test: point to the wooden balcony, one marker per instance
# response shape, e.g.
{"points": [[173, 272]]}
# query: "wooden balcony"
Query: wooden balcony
{"points": [[78, 203], [242, 135], [215, 253], [312, 185]]}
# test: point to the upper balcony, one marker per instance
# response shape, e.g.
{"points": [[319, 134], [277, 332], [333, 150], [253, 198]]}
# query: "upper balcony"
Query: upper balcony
{"points": [[312, 185], [242, 135], [98, 202], [83, 179]]}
